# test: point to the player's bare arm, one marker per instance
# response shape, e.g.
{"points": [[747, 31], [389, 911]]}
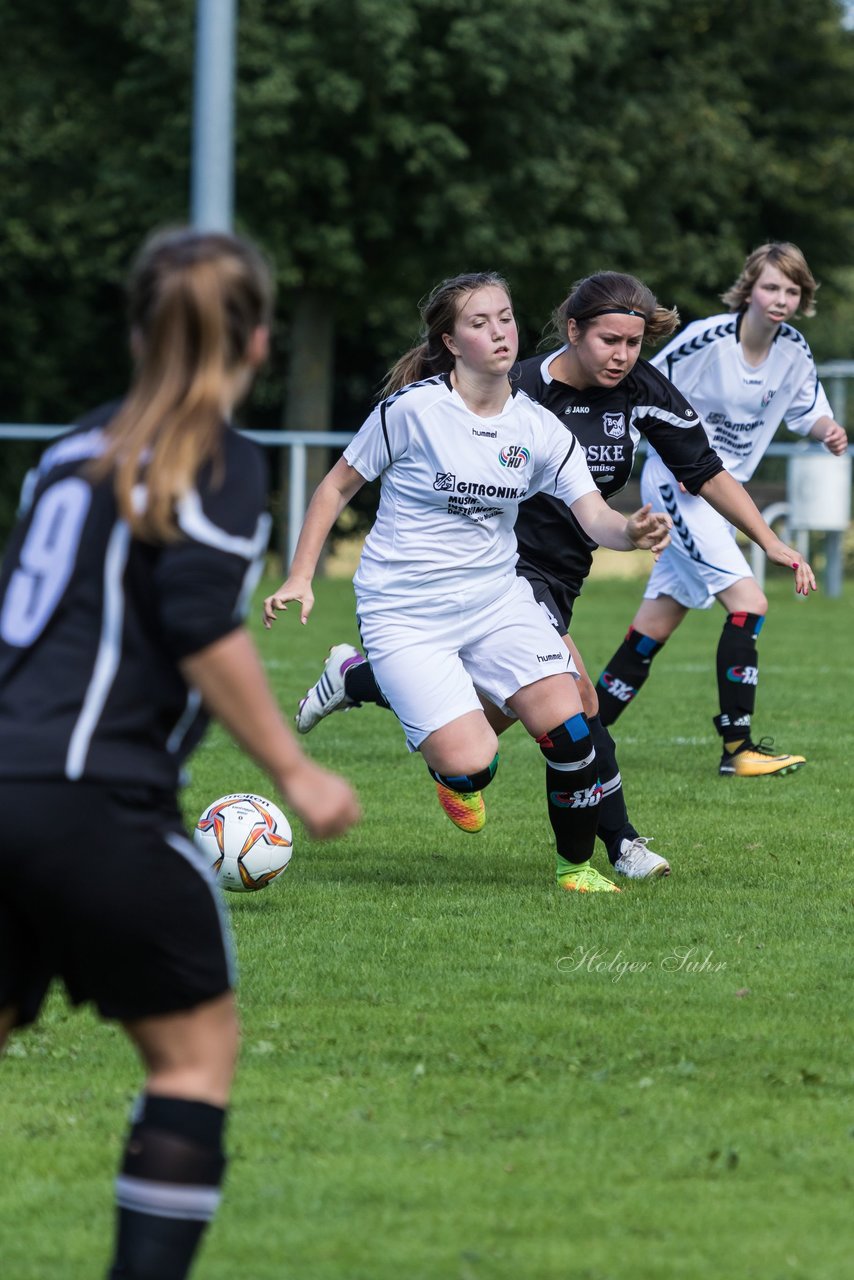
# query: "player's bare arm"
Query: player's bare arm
{"points": [[646, 529], [331, 496], [731, 500]]}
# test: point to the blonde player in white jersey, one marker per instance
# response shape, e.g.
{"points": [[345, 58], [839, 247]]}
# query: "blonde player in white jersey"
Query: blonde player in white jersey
{"points": [[744, 372], [443, 616]]}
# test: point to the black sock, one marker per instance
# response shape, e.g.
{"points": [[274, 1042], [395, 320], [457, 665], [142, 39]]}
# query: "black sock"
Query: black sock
{"points": [[360, 685], [168, 1187], [625, 674], [738, 674], [572, 788], [614, 825]]}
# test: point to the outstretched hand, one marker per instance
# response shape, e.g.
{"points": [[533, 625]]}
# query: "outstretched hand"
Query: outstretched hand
{"points": [[779, 553], [649, 530], [291, 589]]}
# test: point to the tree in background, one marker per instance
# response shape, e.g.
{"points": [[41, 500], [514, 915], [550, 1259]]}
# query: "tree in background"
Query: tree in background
{"points": [[382, 146], [94, 126], [387, 145]]}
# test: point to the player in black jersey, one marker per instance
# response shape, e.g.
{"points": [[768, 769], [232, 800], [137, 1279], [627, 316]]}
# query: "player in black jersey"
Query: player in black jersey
{"points": [[598, 387], [122, 598]]}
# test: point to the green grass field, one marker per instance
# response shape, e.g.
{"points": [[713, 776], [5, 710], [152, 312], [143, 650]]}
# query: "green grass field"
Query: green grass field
{"points": [[452, 1072]]}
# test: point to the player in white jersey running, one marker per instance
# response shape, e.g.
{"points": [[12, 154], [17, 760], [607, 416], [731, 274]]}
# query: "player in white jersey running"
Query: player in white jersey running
{"points": [[744, 372], [443, 615]]}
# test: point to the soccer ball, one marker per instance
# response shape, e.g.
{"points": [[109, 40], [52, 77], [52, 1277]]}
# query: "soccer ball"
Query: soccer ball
{"points": [[246, 839]]}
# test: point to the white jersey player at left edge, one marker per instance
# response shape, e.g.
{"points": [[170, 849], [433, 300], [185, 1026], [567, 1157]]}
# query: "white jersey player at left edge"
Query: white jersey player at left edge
{"points": [[449, 628]]}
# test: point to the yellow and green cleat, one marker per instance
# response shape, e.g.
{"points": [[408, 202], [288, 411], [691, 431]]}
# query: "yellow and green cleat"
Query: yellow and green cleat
{"points": [[583, 879]]}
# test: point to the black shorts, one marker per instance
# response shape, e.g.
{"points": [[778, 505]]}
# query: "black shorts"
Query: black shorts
{"points": [[100, 886], [554, 596]]}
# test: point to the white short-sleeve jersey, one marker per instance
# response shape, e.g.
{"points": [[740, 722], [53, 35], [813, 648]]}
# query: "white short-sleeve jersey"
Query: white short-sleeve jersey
{"points": [[451, 487], [741, 406]]}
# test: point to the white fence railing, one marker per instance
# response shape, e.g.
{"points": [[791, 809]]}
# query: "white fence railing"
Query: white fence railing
{"points": [[835, 376]]}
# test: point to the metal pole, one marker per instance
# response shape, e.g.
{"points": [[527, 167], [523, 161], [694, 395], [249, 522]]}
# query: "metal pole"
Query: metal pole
{"points": [[838, 397], [212, 183], [833, 563], [296, 499]]}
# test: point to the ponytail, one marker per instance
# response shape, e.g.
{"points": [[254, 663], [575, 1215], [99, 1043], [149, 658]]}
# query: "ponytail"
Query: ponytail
{"points": [[195, 301], [424, 361]]}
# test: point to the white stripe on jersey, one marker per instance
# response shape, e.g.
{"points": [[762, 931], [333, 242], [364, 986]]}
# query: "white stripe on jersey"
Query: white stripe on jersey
{"points": [[69, 449], [199, 863], [109, 651], [193, 521], [188, 715], [251, 578], [73, 448]]}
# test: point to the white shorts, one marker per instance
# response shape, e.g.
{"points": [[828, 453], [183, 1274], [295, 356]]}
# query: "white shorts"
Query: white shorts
{"points": [[703, 558], [431, 668]]}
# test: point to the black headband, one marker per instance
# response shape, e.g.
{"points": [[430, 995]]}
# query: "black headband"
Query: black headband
{"points": [[615, 311]]}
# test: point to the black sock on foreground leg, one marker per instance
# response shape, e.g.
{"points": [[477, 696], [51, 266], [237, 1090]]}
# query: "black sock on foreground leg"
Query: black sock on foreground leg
{"points": [[168, 1188], [572, 788]]}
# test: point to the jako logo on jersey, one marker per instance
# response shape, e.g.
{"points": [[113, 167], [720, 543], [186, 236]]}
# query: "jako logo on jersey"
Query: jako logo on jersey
{"points": [[444, 480], [514, 455], [617, 688], [614, 425], [577, 408], [584, 798], [743, 675]]}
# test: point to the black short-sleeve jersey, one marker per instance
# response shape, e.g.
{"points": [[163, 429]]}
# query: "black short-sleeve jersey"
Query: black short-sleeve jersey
{"points": [[608, 422], [94, 622]]}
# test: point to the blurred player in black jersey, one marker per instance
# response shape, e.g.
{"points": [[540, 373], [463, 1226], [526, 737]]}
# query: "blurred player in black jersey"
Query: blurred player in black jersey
{"points": [[597, 386], [122, 598]]}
